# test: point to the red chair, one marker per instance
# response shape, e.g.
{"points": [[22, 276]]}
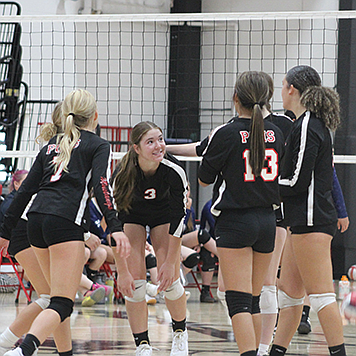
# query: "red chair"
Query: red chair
{"points": [[196, 283], [7, 260], [112, 274]]}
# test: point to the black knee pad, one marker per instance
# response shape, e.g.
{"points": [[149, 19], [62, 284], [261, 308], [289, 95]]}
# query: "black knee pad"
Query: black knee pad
{"points": [[62, 305], [203, 236], [208, 261], [256, 304], [112, 241], [151, 261], [192, 260], [238, 302]]}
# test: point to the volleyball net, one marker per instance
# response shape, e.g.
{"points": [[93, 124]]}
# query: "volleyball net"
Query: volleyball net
{"points": [[140, 67]]}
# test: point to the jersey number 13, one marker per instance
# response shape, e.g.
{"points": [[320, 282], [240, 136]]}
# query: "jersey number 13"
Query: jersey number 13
{"points": [[269, 173]]}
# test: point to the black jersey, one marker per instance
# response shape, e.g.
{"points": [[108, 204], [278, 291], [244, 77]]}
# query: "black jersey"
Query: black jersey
{"points": [[307, 174], [66, 194], [227, 155], [163, 193], [283, 122]]}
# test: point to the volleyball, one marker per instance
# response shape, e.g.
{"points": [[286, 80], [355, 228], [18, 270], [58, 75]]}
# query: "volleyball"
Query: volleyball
{"points": [[349, 306], [352, 272]]}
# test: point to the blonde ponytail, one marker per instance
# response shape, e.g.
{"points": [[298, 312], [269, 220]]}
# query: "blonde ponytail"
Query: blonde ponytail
{"points": [[78, 112]]}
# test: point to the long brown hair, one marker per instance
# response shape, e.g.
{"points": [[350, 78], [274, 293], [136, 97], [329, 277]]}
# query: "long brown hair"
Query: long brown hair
{"points": [[125, 179], [252, 91], [322, 101], [270, 90]]}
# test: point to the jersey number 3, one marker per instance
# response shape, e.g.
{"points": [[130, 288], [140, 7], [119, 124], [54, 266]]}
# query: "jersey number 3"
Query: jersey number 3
{"points": [[150, 194], [268, 173]]}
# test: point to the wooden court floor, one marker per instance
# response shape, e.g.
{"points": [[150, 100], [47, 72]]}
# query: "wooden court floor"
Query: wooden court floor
{"points": [[104, 330]]}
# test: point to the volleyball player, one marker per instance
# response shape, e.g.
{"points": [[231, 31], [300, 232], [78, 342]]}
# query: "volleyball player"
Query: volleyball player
{"points": [[62, 175], [306, 189], [20, 248], [245, 153], [269, 305], [150, 190]]}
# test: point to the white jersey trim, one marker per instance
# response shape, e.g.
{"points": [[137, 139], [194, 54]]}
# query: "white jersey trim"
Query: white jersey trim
{"points": [[310, 202], [222, 189], [179, 230], [182, 176], [303, 141], [180, 171], [28, 206], [83, 201]]}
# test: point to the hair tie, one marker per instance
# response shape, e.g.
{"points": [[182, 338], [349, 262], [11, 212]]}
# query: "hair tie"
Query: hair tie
{"points": [[256, 104], [71, 114]]}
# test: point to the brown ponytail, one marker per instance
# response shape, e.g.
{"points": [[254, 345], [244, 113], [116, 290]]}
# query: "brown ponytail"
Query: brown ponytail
{"points": [[252, 90]]}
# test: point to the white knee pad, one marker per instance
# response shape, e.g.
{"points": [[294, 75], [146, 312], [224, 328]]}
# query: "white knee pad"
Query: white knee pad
{"points": [[285, 301], [175, 291], [139, 294], [269, 304], [43, 301], [319, 301]]}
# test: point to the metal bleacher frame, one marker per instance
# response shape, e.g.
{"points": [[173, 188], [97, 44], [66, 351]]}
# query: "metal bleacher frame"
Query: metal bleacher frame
{"points": [[13, 91]]}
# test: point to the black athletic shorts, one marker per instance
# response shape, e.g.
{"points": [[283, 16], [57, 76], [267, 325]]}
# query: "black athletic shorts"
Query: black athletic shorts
{"points": [[144, 220], [326, 229], [19, 240], [45, 230], [255, 227], [153, 221]]}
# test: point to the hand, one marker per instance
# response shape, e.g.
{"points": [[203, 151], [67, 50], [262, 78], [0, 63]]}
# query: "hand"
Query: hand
{"points": [[343, 224], [93, 242], [165, 276], [123, 246], [126, 284], [4, 244], [149, 248]]}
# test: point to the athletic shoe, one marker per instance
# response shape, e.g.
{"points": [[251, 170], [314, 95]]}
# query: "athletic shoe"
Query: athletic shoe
{"points": [[205, 297], [150, 300], [93, 296], [110, 282], [144, 350], [304, 326], [18, 352], [151, 289], [180, 343], [160, 297], [108, 289]]}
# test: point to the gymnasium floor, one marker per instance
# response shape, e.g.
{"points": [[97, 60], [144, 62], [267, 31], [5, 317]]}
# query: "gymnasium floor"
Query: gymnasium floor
{"points": [[104, 330]]}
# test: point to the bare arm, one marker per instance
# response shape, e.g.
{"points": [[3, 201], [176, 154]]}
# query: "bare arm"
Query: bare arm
{"points": [[202, 183], [186, 149]]}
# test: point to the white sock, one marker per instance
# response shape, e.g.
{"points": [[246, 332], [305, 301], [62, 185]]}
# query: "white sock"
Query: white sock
{"points": [[263, 349], [8, 338]]}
